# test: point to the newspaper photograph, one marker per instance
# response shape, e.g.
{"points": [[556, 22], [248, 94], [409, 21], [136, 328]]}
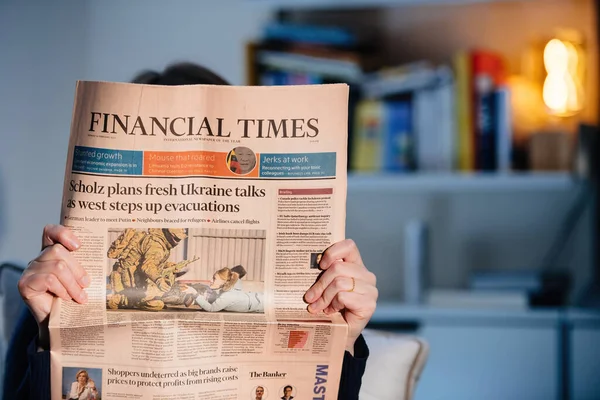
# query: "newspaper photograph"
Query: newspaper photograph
{"points": [[203, 212]]}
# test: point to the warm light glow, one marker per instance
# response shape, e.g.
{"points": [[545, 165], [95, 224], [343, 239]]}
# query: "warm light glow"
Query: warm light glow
{"points": [[563, 92]]}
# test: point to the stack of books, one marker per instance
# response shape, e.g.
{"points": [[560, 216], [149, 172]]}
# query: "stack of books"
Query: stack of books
{"points": [[413, 117]]}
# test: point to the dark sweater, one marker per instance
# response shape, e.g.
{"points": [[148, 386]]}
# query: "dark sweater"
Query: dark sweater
{"points": [[27, 374]]}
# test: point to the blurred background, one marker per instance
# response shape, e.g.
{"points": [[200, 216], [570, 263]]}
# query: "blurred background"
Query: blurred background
{"points": [[472, 155]]}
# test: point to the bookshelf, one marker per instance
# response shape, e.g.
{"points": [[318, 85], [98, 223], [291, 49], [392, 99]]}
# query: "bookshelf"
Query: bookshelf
{"points": [[393, 312], [423, 111], [350, 4], [460, 182]]}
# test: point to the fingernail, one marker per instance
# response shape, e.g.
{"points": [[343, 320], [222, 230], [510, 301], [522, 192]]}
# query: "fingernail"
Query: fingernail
{"points": [[84, 280], [74, 244], [83, 296], [311, 308]]}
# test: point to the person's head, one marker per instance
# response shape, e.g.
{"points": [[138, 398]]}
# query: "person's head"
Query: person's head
{"points": [[174, 235], [183, 73], [260, 391], [224, 279], [240, 270], [287, 391], [82, 377], [245, 158]]}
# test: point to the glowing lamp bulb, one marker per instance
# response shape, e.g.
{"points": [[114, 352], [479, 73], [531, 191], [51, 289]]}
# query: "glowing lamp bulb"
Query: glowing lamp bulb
{"points": [[562, 91]]}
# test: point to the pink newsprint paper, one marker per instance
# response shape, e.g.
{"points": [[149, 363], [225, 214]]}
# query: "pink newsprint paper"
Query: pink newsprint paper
{"points": [[202, 212]]}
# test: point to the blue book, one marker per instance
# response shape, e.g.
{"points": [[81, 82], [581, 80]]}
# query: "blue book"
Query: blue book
{"points": [[398, 140], [321, 35], [485, 124], [503, 129]]}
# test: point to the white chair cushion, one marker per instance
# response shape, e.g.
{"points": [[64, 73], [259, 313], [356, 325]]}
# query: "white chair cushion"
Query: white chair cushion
{"points": [[394, 365]]}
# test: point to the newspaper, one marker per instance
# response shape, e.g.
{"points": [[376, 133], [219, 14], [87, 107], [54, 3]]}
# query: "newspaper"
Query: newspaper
{"points": [[203, 212]]}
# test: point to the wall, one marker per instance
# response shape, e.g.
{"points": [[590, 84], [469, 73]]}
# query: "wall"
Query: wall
{"points": [[44, 51], [46, 47]]}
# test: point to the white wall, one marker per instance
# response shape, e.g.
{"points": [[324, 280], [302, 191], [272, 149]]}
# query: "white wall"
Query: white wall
{"points": [[46, 46], [42, 50]]}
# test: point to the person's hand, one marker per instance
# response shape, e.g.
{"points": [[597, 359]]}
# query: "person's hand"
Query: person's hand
{"points": [[163, 285], [347, 286], [53, 273]]}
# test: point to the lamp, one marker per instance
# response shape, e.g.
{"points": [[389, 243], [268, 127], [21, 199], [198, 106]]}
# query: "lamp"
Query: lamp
{"points": [[563, 89]]}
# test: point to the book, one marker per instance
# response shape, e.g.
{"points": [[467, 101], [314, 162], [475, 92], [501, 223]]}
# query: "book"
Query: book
{"points": [[398, 137], [465, 152], [435, 126], [309, 33], [400, 80], [488, 74], [342, 70], [368, 136], [503, 129]]}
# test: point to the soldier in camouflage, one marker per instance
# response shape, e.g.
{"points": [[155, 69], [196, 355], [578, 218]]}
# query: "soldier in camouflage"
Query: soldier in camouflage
{"points": [[142, 275]]}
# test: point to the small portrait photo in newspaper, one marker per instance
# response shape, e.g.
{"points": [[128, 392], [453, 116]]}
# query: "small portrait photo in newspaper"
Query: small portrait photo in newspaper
{"points": [[259, 393], [288, 392], [80, 383], [241, 160], [193, 269]]}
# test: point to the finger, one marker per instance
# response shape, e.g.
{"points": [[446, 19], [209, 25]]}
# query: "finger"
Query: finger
{"points": [[358, 304], [365, 290], [339, 284], [54, 234], [57, 252], [338, 268], [60, 271], [345, 250], [36, 284]]}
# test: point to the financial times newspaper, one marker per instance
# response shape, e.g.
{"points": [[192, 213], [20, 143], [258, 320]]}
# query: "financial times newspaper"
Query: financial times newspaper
{"points": [[203, 212]]}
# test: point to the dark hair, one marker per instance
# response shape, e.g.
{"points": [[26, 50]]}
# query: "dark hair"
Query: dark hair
{"points": [[288, 386], [240, 270], [183, 73]]}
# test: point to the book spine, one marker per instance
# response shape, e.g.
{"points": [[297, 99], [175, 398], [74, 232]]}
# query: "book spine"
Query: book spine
{"points": [[465, 158], [425, 130], [322, 35], [367, 137], [447, 125], [504, 129], [485, 124], [398, 139], [487, 75]]}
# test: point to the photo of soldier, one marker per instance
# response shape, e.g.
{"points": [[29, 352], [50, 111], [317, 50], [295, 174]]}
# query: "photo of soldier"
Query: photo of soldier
{"points": [[144, 273]]}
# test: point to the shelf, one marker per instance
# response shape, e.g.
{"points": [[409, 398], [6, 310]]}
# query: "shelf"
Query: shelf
{"points": [[392, 312], [349, 4], [457, 182]]}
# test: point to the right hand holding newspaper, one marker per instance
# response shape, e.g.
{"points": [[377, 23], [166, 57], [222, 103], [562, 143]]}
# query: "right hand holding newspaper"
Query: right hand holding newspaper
{"points": [[202, 212]]}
